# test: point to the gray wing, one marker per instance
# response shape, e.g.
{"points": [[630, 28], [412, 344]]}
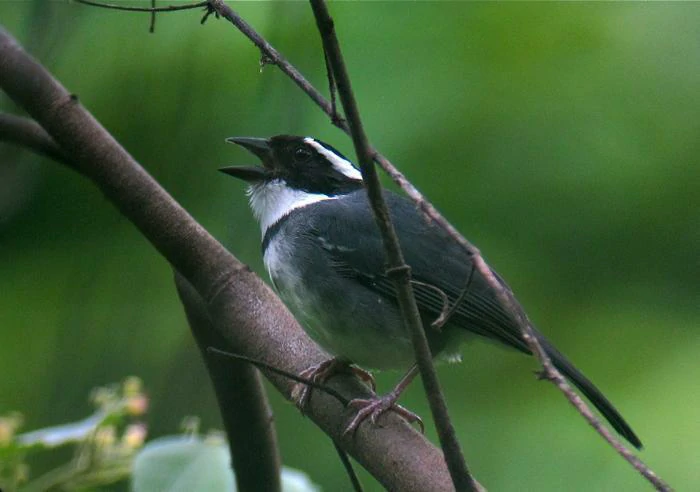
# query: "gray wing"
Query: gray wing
{"points": [[354, 248]]}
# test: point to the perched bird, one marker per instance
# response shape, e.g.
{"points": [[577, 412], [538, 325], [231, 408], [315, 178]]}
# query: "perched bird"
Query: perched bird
{"points": [[323, 251]]}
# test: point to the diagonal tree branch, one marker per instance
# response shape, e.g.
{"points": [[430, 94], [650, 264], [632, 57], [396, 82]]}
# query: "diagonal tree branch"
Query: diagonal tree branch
{"points": [[244, 310]]}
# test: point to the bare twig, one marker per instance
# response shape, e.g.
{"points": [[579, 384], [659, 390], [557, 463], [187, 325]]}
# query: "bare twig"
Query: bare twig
{"points": [[245, 311], [245, 411], [152, 10], [398, 270], [152, 27], [274, 57], [347, 464], [289, 375], [332, 86], [444, 310], [447, 314], [549, 371]]}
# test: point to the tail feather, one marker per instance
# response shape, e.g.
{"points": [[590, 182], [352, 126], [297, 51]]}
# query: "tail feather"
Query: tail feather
{"points": [[591, 392]]}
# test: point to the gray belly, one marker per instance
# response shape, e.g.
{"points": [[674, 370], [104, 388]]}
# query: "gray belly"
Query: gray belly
{"points": [[344, 317]]}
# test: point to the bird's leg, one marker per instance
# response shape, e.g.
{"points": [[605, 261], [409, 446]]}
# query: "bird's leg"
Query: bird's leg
{"points": [[319, 373], [374, 407]]}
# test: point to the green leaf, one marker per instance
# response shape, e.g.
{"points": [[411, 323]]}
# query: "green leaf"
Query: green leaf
{"points": [[186, 463], [182, 463]]}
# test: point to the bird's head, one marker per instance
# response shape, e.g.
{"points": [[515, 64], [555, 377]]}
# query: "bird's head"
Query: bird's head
{"points": [[302, 163], [295, 172]]}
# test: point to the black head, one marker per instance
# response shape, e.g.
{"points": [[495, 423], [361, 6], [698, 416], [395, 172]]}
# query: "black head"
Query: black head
{"points": [[303, 163]]}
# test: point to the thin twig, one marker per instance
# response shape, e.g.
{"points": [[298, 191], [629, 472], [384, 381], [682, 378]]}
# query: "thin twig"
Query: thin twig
{"points": [[294, 377], [25, 132], [445, 316], [347, 464], [170, 8], [274, 57], [332, 86], [398, 270], [444, 310], [603, 430], [152, 27]]}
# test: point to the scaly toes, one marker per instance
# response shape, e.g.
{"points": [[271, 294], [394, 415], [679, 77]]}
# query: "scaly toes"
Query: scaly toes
{"points": [[373, 408], [318, 373]]}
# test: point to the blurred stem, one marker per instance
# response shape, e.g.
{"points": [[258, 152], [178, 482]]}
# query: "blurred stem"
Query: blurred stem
{"points": [[347, 464], [26, 133]]}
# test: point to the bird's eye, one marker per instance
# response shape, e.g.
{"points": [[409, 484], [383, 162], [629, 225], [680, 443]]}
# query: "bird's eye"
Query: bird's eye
{"points": [[301, 154]]}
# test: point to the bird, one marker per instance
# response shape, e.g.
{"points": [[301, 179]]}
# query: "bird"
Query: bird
{"points": [[325, 258]]}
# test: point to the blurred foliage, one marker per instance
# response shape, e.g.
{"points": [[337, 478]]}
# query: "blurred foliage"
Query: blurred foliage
{"points": [[101, 447], [107, 448], [562, 138]]}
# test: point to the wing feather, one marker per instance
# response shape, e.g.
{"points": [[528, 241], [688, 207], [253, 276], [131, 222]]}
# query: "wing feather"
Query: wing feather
{"points": [[435, 261]]}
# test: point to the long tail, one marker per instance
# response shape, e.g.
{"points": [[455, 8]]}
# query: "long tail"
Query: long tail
{"points": [[592, 393]]}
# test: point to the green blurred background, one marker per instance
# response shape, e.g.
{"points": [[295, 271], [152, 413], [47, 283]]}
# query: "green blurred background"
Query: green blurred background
{"points": [[562, 139]]}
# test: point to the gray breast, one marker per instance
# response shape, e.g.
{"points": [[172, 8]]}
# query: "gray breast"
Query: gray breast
{"points": [[340, 314]]}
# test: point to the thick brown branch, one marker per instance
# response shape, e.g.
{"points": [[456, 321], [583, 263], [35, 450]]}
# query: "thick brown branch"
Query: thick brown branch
{"points": [[461, 478], [244, 310]]}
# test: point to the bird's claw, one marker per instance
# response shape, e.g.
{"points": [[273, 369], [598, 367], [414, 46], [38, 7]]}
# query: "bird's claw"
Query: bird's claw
{"points": [[372, 408], [320, 373], [364, 376]]}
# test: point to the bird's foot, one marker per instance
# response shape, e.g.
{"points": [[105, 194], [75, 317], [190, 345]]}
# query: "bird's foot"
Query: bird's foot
{"points": [[320, 373], [364, 376], [373, 407]]}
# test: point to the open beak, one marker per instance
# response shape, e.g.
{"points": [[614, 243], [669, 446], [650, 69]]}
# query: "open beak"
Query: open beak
{"points": [[261, 148]]}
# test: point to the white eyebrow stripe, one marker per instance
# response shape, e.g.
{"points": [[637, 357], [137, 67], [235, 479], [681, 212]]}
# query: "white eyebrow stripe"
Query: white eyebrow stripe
{"points": [[341, 165]]}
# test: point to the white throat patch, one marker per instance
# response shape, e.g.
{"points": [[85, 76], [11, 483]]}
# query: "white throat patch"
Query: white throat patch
{"points": [[273, 200], [339, 164]]}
